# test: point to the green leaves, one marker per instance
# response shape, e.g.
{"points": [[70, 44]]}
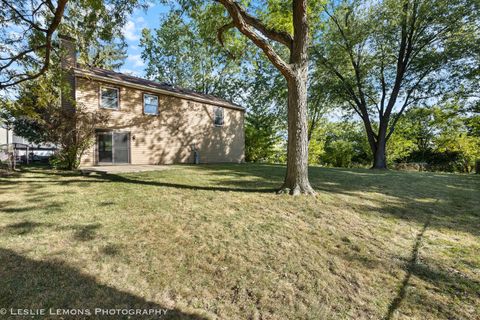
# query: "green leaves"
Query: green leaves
{"points": [[439, 136], [178, 54], [97, 27], [389, 55]]}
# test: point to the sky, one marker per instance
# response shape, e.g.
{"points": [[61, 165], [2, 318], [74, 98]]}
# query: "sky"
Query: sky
{"points": [[140, 18]]}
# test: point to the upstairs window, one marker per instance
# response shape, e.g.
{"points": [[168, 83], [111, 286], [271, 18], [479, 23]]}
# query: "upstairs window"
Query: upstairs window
{"points": [[218, 116], [109, 98], [150, 104]]}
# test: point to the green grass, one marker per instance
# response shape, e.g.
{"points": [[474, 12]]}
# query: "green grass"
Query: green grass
{"points": [[215, 242]]}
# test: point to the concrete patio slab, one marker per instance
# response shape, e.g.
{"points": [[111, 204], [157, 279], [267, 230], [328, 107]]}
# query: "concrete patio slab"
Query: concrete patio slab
{"points": [[121, 169]]}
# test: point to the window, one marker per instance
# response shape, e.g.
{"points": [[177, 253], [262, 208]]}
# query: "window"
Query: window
{"points": [[150, 104], [109, 98], [218, 116]]}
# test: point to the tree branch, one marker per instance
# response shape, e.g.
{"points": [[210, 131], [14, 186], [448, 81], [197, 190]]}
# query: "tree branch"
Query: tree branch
{"points": [[406, 103], [350, 52], [402, 60], [222, 30], [220, 33], [47, 46], [275, 35], [383, 84], [248, 30], [23, 18]]}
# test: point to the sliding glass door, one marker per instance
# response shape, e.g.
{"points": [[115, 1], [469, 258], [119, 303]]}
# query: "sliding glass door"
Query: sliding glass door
{"points": [[105, 147], [113, 147], [120, 147]]}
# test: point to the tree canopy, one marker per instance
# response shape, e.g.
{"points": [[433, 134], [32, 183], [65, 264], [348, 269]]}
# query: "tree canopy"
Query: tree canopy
{"points": [[29, 29], [341, 83], [389, 55]]}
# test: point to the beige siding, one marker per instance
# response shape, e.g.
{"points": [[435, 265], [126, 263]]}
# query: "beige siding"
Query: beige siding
{"points": [[167, 138]]}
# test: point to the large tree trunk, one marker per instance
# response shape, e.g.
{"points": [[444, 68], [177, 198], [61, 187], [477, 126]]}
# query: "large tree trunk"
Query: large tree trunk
{"points": [[379, 152], [296, 74], [380, 156], [296, 178], [377, 144]]}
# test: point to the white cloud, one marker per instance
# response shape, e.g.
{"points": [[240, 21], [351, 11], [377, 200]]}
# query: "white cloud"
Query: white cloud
{"points": [[136, 60], [130, 31]]}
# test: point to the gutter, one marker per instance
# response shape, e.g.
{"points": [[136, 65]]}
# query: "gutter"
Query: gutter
{"points": [[89, 75]]}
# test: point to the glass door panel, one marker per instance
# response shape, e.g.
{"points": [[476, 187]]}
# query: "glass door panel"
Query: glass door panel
{"points": [[105, 147], [120, 147]]}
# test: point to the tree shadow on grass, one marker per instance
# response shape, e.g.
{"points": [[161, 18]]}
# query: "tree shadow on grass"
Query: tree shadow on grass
{"points": [[453, 284], [86, 232], [31, 284], [47, 206], [413, 196], [448, 200], [155, 183], [23, 228], [395, 304]]}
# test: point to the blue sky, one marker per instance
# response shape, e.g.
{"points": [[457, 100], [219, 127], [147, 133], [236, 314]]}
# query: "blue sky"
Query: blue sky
{"points": [[140, 18]]}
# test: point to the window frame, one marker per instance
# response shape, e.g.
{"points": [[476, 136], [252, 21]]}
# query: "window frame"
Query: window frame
{"points": [[101, 99], [215, 116], [158, 103]]}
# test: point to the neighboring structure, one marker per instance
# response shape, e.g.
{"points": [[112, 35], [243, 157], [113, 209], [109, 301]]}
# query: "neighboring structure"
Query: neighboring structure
{"points": [[21, 147], [6, 136], [154, 123]]}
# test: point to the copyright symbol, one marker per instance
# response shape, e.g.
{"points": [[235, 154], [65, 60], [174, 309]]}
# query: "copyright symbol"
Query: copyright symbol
{"points": [[3, 311]]}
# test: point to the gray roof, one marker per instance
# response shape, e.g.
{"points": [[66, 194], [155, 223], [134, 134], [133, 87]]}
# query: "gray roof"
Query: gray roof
{"points": [[156, 85]]}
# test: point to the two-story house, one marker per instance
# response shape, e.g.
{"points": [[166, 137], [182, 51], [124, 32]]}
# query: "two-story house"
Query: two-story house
{"points": [[151, 122]]}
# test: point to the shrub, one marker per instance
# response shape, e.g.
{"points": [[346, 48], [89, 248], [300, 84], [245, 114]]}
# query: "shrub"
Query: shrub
{"points": [[339, 153]]}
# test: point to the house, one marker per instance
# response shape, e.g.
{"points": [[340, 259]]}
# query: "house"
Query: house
{"points": [[151, 122]]}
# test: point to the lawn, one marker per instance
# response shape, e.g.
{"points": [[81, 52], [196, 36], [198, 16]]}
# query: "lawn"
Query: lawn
{"points": [[215, 242]]}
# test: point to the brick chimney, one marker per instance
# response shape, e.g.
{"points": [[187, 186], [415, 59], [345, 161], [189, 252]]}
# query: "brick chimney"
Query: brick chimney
{"points": [[68, 61], [69, 51]]}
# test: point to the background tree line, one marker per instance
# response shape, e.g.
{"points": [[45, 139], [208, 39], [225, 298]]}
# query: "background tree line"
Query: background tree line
{"points": [[382, 75], [389, 81]]}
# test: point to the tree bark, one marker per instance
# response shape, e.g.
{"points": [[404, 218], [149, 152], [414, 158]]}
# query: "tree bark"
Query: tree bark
{"points": [[296, 74], [379, 155], [378, 143], [296, 178], [379, 152]]}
